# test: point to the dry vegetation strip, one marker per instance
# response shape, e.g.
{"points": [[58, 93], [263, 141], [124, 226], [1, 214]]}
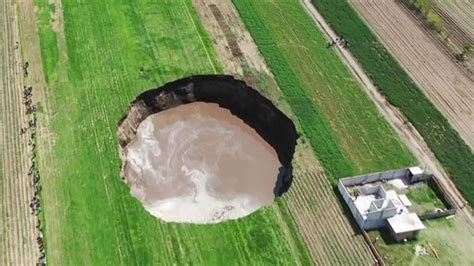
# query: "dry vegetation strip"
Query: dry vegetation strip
{"points": [[17, 226], [392, 80], [90, 216]]}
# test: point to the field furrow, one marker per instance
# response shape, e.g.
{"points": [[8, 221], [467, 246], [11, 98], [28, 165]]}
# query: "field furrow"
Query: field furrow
{"points": [[456, 31]]}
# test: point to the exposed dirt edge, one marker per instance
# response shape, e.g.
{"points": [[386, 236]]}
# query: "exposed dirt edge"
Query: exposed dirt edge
{"points": [[243, 101]]}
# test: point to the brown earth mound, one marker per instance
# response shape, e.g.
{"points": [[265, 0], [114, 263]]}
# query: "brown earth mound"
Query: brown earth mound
{"points": [[197, 162]]}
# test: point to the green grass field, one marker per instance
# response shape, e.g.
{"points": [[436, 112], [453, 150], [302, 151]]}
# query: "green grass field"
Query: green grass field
{"points": [[346, 131], [92, 70], [425, 200], [455, 156], [89, 216]]}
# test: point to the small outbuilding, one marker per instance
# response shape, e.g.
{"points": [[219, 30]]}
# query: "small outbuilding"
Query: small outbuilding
{"points": [[415, 174], [405, 226]]}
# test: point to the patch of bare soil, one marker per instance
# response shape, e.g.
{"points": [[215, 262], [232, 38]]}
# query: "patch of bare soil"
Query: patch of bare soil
{"points": [[198, 163], [232, 41]]}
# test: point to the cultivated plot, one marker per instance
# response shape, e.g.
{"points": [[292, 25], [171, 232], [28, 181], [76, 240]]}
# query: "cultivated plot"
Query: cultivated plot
{"points": [[445, 85], [327, 234], [338, 119], [114, 51]]}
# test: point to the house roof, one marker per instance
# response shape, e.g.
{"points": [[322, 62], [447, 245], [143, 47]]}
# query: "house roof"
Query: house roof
{"points": [[416, 170], [406, 222]]}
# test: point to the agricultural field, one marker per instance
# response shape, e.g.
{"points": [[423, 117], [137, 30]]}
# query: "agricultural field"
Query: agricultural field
{"points": [[445, 85], [460, 13], [17, 234], [288, 39], [90, 218], [90, 93], [327, 100], [91, 58], [330, 237], [448, 26], [392, 80]]}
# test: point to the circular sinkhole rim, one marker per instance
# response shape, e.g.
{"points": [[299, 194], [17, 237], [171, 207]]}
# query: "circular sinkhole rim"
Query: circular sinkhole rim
{"points": [[255, 110]]}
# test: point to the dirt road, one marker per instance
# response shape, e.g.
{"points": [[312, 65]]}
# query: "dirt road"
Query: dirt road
{"points": [[398, 121], [449, 88], [17, 228]]}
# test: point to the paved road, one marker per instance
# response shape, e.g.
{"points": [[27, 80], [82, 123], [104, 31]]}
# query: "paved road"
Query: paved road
{"points": [[397, 120]]}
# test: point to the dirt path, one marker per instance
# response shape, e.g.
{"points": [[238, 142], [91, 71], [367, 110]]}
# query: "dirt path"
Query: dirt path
{"points": [[449, 88], [401, 125], [17, 229], [327, 232], [230, 38]]}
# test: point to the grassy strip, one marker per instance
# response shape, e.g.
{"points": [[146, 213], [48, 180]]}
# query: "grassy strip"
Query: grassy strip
{"points": [[389, 77], [90, 216], [342, 125], [48, 39]]}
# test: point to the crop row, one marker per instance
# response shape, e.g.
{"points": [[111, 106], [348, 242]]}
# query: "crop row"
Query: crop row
{"points": [[389, 77]]}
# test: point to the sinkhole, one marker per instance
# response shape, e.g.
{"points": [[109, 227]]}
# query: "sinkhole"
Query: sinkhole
{"points": [[205, 149]]}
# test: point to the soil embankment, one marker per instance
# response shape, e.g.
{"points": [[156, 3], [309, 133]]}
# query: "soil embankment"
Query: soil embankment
{"points": [[209, 143]]}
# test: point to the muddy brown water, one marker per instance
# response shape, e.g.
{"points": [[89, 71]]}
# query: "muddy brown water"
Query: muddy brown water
{"points": [[198, 163]]}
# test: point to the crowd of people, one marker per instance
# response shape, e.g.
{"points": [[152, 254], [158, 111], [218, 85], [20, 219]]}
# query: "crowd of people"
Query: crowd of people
{"points": [[27, 94], [33, 173], [339, 41]]}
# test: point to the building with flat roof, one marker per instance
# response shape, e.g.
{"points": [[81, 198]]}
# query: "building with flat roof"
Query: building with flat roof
{"points": [[405, 226], [374, 207]]}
